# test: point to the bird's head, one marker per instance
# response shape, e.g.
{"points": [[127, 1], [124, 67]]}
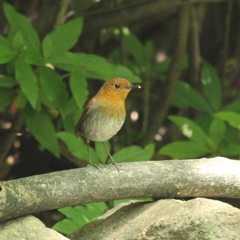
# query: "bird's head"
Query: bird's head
{"points": [[116, 89]]}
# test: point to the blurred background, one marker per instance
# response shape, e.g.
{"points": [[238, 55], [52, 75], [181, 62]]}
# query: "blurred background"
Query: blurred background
{"points": [[55, 55]]}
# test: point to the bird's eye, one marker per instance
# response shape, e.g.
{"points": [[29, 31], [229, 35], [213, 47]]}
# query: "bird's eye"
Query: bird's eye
{"points": [[117, 86]]}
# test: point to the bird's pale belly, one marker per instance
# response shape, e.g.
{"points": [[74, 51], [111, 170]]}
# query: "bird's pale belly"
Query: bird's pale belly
{"points": [[101, 126]]}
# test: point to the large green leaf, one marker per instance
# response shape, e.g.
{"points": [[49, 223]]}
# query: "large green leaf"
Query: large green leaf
{"points": [[229, 150], [18, 23], [184, 150], [212, 86], [233, 106], [63, 38], [191, 130], [4, 41], [79, 216], [217, 131], [232, 118], [60, 60], [6, 54], [42, 129], [97, 67], [149, 51], [55, 89], [6, 97], [185, 96], [27, 53], [27, 81], [78, 85], [101, 151], [134, 154], [76, 146], [134, 46]]}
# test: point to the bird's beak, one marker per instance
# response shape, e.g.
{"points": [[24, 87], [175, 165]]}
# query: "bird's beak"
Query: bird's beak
{"points": [[132, 86]]}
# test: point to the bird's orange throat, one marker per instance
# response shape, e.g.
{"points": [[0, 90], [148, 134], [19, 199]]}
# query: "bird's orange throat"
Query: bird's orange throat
{"points": [[112, 108]]}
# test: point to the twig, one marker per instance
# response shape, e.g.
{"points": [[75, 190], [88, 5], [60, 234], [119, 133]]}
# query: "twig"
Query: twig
{"points": [[226, 39], [194, 56], [61, 12]]}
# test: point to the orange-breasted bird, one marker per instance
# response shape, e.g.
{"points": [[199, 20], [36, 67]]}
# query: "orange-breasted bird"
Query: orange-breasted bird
{"points": [[105, 113]]}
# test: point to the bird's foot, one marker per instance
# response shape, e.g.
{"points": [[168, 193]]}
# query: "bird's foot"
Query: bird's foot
{"points": [[94, 165], [117, 165]]}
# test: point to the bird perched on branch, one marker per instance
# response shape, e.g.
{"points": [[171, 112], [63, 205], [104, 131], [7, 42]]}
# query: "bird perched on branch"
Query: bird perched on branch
{"points": [[105, 113]]}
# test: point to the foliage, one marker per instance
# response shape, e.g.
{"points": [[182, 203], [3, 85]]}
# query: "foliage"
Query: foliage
{"points": [[81, 215], [48, 84], [214, 131]]}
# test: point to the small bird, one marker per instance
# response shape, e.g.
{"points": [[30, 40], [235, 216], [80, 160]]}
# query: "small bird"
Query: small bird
{"points": [[105, 113]]}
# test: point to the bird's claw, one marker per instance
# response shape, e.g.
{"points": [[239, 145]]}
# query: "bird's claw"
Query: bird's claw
{"points": [[94, 165]]}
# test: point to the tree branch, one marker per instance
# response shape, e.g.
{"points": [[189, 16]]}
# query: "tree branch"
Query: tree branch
{"points": [[173, 74], [217, 177], [127, 13]]}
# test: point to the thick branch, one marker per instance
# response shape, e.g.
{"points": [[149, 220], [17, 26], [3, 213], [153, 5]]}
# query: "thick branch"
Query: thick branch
{"points": [[218, 177], [128, 13]]}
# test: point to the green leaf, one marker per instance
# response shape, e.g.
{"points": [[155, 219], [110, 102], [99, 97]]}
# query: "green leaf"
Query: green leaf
{"points": [[184, 150], [191, 130], [76, 146], [134, 46], [217, 131], [55, 89], [6, 97], [134, 154], [18, 41], [4, 41], [163, 66], [185, 96], [97, 67], [28, 54], [63, 38], [27, 81], [232, 118], [101, 151], [6, 54], [149, 51], [78, 86], [60, 60], [7, 82], [68, 226], [212, 86], [229, 150], [20, 22], [204, 121], [73, 115], [233, 106], [42, 129], [79, 216], [21, 100]]}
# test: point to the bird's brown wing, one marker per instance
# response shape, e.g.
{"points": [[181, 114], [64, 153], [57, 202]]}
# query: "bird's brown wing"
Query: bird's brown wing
{"points": [[83, 117]]}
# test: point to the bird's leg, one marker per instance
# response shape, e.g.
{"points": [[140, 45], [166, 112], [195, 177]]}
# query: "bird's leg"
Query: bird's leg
{"points": [[89, 156], [112, 160]]}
